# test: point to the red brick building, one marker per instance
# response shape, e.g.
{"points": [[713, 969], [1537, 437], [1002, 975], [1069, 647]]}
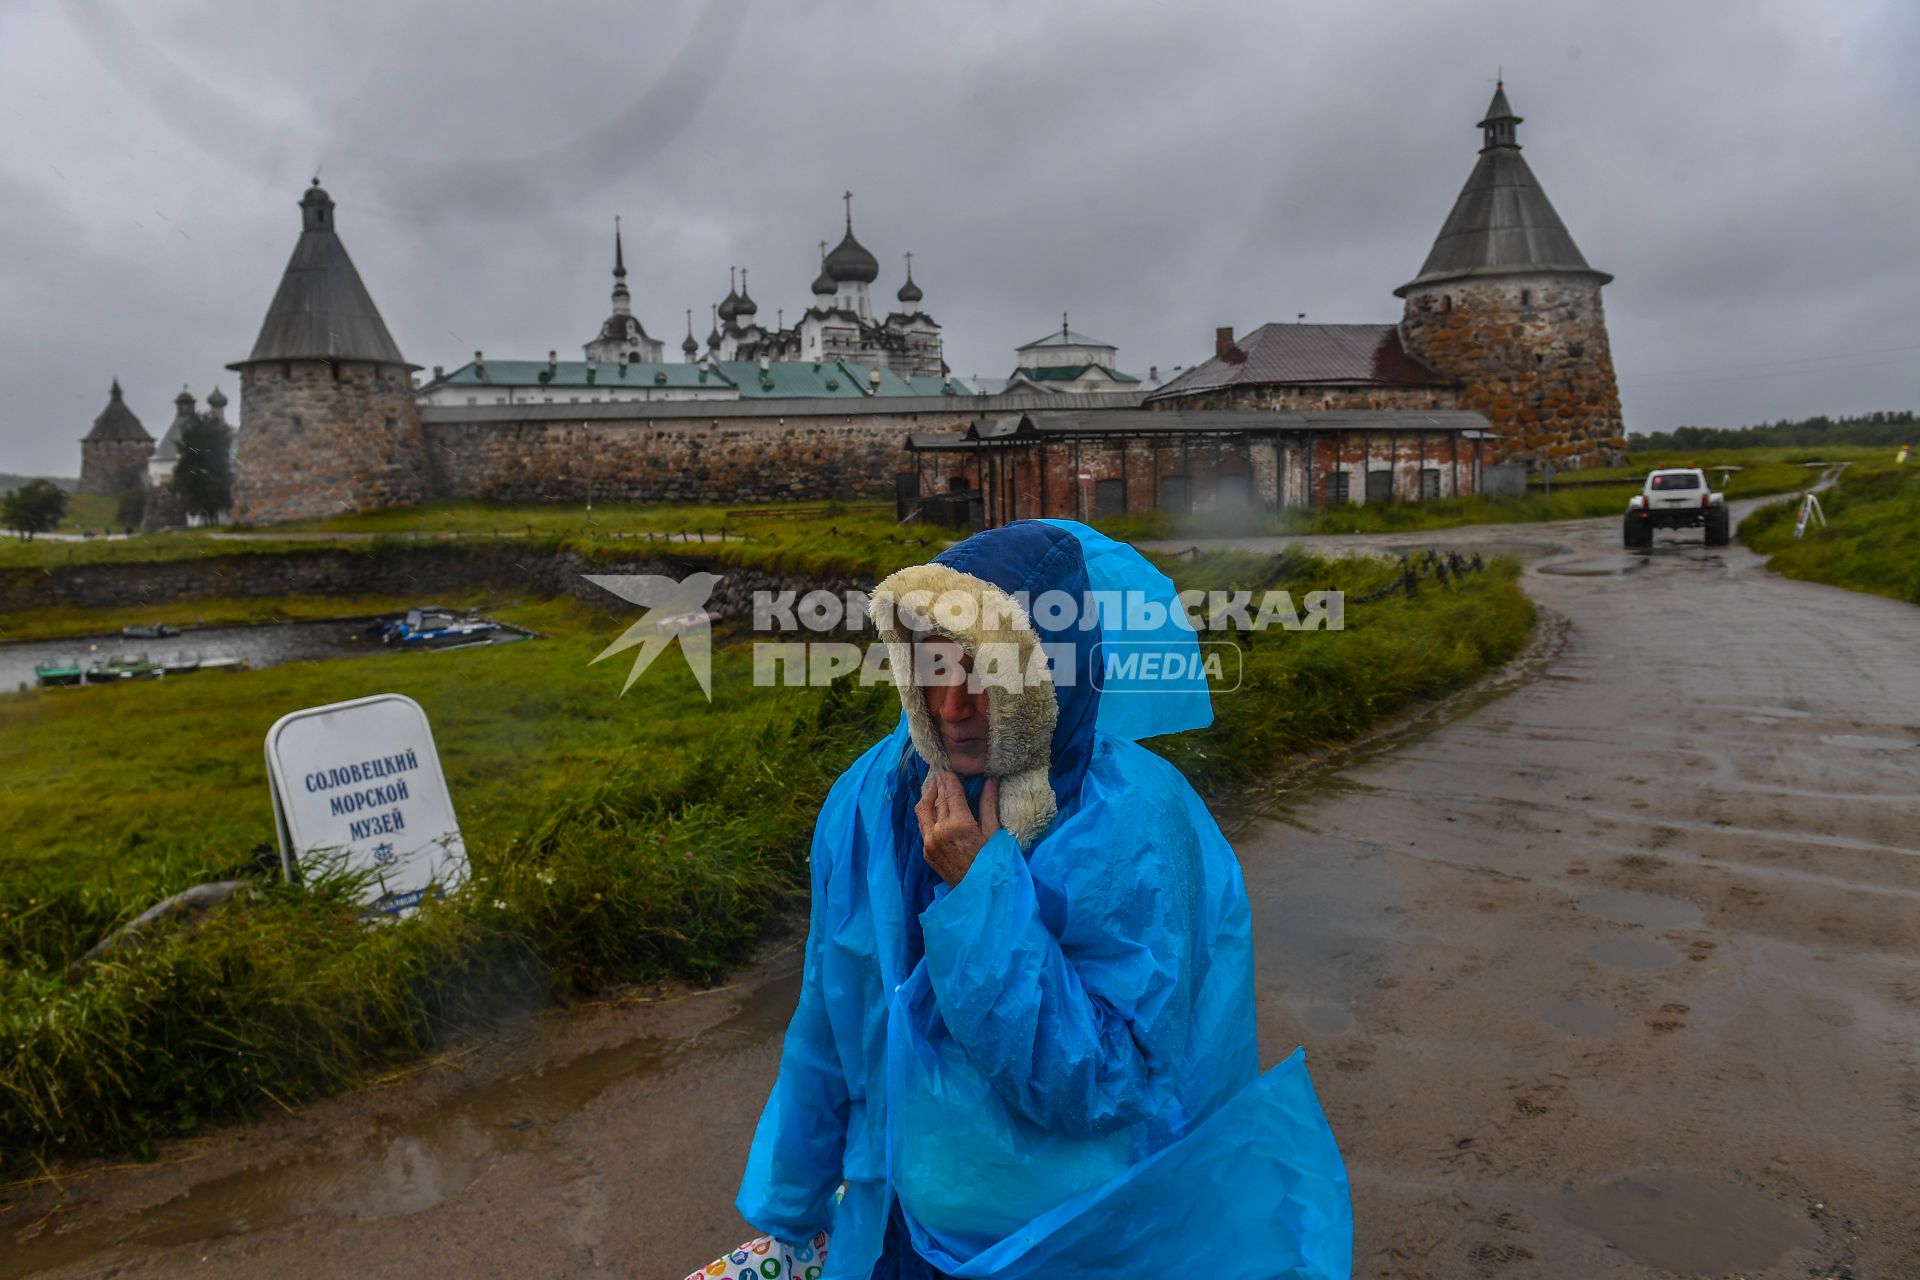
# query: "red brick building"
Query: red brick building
{"points": [[1096, 463]]}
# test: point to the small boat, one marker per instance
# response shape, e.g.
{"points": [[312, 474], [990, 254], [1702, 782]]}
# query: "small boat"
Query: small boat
{"points": [[65, 669], [122, 666], [146, 631], [430, 627], [180, 664], [221, 664]]}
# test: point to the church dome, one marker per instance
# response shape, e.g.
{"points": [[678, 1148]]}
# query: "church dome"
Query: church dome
{"points": [[689, 345], [729, 305], [823, 285], [910, 292], [745, 307], [850, 261]]}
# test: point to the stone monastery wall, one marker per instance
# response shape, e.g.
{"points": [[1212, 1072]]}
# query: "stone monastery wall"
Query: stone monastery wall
{"points": [[702, 458]]}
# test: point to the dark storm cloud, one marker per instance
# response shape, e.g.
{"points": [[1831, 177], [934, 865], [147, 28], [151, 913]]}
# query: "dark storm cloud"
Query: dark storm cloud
{"points": [[1157, 170]]}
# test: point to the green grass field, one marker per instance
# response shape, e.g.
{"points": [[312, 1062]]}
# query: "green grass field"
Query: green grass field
{"points": [[1869, 542], [611, 839]]}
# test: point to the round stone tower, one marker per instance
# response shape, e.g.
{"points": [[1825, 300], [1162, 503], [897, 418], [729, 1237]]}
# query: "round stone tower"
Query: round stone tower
{"points": [[113, 456], [1507, 304], [328, 423]]}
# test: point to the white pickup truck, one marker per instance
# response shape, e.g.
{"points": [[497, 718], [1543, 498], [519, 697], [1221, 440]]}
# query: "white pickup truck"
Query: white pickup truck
{"points": [[1677, 498]]}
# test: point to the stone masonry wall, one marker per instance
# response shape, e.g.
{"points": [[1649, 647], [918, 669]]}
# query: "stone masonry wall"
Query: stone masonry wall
{"points": [[163, 509], [113, 466], [692, 459], [426, 570], [318, 439], [1533, 356]]}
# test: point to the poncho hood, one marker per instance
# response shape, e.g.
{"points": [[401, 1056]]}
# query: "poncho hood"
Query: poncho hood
{"points": [[1049, 610]]}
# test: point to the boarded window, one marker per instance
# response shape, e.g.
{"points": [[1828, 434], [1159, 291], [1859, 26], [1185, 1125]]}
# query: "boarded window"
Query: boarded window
{"points": [[1234, 491], [1175, 497], [1429, 483], [1338, 490], [1109, 498], [1379, 485]]}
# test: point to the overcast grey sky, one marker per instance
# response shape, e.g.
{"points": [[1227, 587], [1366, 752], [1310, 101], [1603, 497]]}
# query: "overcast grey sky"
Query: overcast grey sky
{"points": [[1747, 170]]}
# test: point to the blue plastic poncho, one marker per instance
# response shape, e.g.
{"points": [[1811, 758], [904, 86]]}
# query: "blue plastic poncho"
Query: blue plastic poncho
{"points": [[1050, 1068]]}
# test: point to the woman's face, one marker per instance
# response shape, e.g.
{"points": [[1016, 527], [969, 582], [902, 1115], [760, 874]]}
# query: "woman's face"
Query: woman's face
{"points": [[959, 713]]}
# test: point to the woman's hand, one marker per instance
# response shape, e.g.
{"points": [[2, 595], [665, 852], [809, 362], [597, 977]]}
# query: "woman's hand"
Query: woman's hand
{"points": [[947, 827]]}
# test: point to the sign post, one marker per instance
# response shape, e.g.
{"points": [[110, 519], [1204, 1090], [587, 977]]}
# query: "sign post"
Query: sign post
{"points": [[1809, 510], [361, 781]]}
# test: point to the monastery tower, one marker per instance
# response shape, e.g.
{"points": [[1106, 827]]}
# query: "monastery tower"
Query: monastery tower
{"points": [[1507, 304]]}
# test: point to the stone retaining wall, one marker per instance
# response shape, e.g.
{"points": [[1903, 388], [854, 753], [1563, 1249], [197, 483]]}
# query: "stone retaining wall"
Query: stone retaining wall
{"points": [[420, 572], [692, 459]]}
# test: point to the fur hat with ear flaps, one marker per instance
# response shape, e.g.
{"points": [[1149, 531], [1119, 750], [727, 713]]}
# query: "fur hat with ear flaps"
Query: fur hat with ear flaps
{"points": [[1049, 694], [992, 628]]}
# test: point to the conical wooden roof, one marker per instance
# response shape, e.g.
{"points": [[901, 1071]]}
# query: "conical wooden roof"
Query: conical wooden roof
{"points": [[322, 311]]}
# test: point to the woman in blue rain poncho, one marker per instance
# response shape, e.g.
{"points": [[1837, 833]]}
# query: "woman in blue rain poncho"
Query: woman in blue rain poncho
{"points": [[1025, 1039]]}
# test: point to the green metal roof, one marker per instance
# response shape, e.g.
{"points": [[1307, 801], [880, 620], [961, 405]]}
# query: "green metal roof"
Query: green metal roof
{"points": [[786, 379], [578, 375], [781, 379]]}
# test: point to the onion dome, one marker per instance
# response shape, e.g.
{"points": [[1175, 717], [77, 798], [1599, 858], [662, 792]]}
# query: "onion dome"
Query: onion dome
{"points": [[909, 292], [690, 347], [823, 285], [746, 308], [713, 338], [850, 261]]}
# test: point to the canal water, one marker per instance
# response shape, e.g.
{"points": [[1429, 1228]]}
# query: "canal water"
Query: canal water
{"points": [[264, 645]]}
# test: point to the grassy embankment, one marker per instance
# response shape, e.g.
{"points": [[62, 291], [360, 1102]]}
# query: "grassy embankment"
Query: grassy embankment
{"points": [[610, 839], [825, 539], [1873, 527]]}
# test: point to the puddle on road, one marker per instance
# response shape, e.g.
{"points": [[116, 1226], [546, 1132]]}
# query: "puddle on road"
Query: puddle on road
{"points": [[1633, 953], [1605, 567], [1577, 1015], [1866, 742], [1691, 1223], [1631, 906], [414, 1164], [1327, 1020]]}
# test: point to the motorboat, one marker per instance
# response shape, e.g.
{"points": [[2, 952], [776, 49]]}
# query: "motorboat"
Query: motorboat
{"points": [[122, 666], [431, 627], [63, 669]]}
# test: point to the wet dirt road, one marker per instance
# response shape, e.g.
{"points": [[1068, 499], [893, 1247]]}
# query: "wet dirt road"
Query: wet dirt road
{"points": [[1610, 970]]}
